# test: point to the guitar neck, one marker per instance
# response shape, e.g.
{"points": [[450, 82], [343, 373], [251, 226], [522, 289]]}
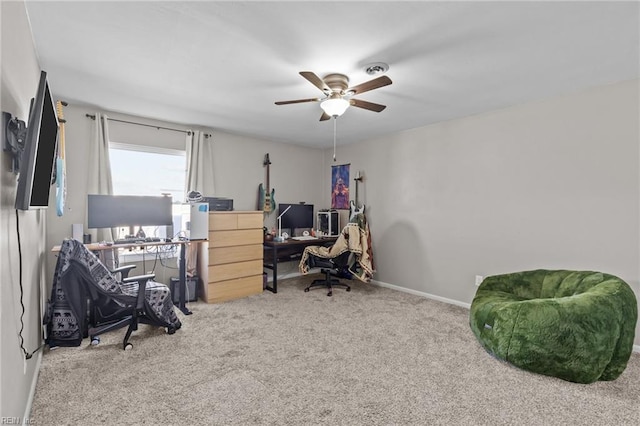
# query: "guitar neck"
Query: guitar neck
{"points": [[357, 180], [61, 120], [356, 192], [267, 163]]}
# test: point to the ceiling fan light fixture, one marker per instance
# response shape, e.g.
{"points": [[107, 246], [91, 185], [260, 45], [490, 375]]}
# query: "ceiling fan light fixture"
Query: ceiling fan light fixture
{"points": [[335, 107]]}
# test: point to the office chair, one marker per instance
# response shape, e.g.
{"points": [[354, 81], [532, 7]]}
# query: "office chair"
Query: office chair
{"points": [[123, 271], [88, 300], [350, 256], [332, 267]]}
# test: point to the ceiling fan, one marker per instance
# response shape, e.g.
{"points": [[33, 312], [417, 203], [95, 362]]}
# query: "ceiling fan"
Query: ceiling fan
{"points": [[338, 93]]}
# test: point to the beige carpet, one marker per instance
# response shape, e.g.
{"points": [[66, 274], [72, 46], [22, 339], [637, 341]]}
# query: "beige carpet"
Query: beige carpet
{"points": [[373, 356]]}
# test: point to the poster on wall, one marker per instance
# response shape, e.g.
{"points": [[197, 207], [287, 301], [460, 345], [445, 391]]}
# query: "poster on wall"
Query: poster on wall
{"points": [[340, 186]]}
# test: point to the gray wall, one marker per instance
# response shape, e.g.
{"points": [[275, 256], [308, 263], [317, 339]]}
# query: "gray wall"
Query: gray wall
{"points": [[550, 184], [19, 74]]}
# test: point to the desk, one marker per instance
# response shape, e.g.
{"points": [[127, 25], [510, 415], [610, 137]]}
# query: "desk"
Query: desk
{"points": [[182, 265], [285, 250]]}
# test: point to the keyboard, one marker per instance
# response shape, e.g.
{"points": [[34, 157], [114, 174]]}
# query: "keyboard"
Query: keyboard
{"points": [[136, 240], [304, 238]]}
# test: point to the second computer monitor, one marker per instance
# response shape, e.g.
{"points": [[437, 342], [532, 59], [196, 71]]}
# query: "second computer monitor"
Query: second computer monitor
{"points": [[297, 217]]}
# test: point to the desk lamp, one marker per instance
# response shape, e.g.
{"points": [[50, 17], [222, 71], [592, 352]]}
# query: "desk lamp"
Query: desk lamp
{"points": [[279, 238]]}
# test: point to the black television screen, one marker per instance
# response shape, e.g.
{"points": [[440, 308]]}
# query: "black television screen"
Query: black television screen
{"points": [[297, 217], [112, 211], [39, 154]]}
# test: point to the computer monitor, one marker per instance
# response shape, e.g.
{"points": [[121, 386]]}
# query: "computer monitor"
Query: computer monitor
{"points": [[113, 211], [297, 217]]}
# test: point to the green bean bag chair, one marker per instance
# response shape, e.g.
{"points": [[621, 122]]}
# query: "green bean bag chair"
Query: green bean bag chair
{"points": [[575, 325]]}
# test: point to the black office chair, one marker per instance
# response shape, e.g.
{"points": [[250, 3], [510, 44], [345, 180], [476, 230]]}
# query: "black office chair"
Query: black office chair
{"points": [[123, 271], [334, 267], [87, 299]]}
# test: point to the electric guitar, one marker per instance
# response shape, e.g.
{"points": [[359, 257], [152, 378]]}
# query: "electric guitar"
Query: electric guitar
{"points": [[266, 198], [61, 169], [354, 210]]}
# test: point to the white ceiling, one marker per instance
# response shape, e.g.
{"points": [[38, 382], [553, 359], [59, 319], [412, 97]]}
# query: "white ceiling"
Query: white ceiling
{"points": [[223, 64]]}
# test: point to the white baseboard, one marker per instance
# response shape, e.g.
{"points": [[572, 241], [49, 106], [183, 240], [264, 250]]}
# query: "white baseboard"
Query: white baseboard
{"points": [[32, 390], [423, 294], [636, 348]]}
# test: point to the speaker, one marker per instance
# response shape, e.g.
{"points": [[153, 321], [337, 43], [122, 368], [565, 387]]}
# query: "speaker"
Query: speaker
{"points": [[77, 231], [191, 289]]}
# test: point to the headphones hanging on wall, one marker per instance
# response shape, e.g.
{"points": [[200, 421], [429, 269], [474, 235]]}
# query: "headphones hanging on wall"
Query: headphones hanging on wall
{"points": [[16, 132]]}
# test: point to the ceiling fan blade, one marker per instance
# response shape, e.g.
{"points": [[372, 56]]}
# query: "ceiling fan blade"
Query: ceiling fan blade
{"points": [[325, 117], [367, 105], [370, 85], [298, 101], [316, 81]]}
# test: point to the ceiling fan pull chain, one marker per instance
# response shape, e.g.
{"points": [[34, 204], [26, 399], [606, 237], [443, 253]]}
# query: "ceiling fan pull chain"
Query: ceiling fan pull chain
{"points": [[334, 137]]}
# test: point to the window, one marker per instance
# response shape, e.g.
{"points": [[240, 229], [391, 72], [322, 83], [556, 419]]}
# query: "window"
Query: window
{"points": [[145, 170], [135, 170]]}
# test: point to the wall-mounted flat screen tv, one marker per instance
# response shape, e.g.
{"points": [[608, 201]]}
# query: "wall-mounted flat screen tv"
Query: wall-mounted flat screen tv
{"points": [[38, 157]]}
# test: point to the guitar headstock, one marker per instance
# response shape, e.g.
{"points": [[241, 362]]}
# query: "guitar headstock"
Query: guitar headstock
{"points": [[59, 105], [266, 160]]}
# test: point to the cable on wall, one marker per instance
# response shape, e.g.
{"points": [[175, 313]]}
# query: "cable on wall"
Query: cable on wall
{"points": [[27, 355], [334, 137]]}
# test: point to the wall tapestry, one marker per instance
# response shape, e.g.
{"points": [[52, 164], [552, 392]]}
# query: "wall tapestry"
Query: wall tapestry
{"points": [[340, 186]]}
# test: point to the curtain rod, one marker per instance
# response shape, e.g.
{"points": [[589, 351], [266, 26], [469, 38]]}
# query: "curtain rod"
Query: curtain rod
{"points": [[188, 132]]}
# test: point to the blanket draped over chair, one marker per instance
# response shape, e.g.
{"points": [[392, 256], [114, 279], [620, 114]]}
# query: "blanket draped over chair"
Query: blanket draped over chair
{"points": [[355, 238], [77, 268]]}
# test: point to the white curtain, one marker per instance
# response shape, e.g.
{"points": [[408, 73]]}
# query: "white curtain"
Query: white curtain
{"points": [[199, 164], [99, 179], [199, 178]]}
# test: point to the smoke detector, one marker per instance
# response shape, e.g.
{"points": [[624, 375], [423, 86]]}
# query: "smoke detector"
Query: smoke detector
{"points": [[376, 68]]}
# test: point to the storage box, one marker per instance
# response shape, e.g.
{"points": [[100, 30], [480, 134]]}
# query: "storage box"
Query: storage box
{"points": [[191, 290]]}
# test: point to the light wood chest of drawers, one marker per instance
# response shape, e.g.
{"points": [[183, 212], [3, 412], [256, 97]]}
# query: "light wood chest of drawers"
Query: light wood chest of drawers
{"points": [[230, 263]]}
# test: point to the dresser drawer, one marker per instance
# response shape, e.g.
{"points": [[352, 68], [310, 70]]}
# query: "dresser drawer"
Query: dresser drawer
{"points": [[222, 255], [233, 289], [224, 221], [251, 220], [240, 237], [230, 271]]}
